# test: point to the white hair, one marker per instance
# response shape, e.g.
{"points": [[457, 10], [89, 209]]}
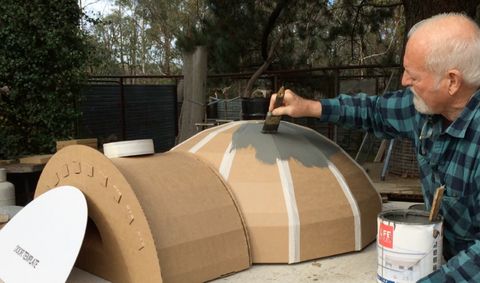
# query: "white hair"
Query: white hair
{"points": [[456, 52]]}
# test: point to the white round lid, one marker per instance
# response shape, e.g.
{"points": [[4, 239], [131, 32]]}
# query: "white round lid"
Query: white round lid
{"points": [[42, 241], [128, 148]]}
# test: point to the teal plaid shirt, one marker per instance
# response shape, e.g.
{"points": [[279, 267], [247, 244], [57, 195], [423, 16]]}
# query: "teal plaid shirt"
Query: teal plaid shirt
{"points": [[446, 155]]}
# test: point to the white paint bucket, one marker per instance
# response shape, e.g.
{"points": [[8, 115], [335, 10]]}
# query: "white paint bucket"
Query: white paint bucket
{"points": [[409, 246]]}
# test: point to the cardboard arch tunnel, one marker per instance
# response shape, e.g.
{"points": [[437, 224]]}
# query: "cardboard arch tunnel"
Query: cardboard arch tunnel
{"points": [[157, 218]]}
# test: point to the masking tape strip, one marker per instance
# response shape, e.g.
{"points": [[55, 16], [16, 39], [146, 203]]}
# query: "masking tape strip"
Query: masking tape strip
{"points": [[211, 135], [208, 130], [227, 161], [348, 194], [353, 204], [292, 211]]}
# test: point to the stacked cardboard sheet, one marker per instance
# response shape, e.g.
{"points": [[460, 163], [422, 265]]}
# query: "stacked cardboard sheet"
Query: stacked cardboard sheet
{"points": [[88, 142]]}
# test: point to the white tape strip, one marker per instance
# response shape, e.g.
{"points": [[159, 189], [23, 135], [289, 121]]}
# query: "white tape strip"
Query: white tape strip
{"points": [[200, 133], [227, 162], [346, 190], [213, 134], [353, 204], [292, 211]]}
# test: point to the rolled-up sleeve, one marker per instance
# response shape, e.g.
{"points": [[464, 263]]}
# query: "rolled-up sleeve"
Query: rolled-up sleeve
{"points": [[387, 116]]}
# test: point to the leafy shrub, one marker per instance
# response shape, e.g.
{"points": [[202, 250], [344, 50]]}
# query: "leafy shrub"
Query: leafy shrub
{"points": [[42, 57]]}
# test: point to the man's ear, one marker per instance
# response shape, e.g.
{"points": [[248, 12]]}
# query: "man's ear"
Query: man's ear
{"points": [[455, 80]]}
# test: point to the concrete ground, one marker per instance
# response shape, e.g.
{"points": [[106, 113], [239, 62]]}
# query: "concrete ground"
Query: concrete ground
{"points": [[354, 267]]}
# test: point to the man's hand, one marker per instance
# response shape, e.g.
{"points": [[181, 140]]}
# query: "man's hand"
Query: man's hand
{"points": [[296, 106]]}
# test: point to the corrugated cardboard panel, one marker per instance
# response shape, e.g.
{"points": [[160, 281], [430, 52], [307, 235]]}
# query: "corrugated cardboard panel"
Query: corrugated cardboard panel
{"points": [[192, 203], [369, 201], [36, 159], [327, 223], [262, 203], [88, 142]]}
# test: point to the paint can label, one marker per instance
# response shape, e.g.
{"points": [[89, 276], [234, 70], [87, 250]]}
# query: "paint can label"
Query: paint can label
{"points": [[385, 235], [406, 251]]}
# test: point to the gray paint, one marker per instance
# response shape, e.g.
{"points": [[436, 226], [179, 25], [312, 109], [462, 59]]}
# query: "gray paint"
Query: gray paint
{"points": [[290, 142], [408, 216]]}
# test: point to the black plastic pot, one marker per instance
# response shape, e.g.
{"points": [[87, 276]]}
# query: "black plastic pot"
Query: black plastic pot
{"points": [[254, 108], [212, 112]]}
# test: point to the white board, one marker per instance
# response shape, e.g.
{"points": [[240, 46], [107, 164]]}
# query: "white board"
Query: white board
{"points": [[41, 243]]}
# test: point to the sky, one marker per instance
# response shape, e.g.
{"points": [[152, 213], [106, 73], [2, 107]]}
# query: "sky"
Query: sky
{"points": [[95, 7]]}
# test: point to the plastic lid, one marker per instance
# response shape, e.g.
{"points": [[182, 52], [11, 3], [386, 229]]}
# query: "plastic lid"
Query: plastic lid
{"points": [[128, 148]]}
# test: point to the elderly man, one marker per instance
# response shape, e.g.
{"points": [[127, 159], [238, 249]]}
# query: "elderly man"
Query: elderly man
{"points": [[439, 111]]}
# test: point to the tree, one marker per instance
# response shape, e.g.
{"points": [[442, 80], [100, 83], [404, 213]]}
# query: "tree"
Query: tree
{"points": [[42, 59], [315, 33], [419, 10]]}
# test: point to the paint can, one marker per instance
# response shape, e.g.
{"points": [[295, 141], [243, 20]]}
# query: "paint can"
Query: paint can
{"points": [[409, 246]]}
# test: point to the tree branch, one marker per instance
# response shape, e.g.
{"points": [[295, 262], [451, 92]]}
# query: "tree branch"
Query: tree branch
{"points": [[271, 24], [259, 71], [388, 48], [391, 5], [352, 35]]}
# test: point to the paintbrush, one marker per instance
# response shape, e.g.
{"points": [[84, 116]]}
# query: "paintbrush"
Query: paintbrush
{"points": [[271, 121]]}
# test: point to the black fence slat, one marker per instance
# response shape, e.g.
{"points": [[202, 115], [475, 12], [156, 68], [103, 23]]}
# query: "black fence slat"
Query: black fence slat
{"points": [[150, 113]]}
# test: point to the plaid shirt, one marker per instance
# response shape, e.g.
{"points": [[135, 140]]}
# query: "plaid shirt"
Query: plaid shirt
{"points": [[446, 155]]}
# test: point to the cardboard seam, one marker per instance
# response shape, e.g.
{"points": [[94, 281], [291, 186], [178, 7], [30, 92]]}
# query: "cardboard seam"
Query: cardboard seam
{"points": [[232, 197]]}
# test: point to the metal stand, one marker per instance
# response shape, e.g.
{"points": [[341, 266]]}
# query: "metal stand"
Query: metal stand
{"points": [[387, 160], [361, 146]]}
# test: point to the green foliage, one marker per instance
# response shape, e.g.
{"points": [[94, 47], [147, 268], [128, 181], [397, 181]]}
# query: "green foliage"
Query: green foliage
{"points": [[233, 31], [314, 33], [42, 54]]}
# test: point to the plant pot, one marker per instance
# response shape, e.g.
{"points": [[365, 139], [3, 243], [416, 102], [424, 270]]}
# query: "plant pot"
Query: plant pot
{"points": [[254, 108], [212, 112]]}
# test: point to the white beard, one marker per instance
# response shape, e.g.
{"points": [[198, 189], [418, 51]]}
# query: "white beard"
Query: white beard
{"points": [[420, 104]]}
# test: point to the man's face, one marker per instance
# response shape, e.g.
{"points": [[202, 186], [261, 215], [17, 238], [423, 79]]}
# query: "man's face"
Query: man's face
{"points": [[427, 88]]}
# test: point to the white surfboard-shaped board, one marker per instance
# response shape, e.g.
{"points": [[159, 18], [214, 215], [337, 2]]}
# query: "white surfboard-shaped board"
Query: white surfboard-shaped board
{"points": [[42, 241]]}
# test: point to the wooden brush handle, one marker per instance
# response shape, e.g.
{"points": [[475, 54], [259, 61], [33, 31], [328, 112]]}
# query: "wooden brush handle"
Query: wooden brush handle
{"points": [[437, 200], [279, 98]]}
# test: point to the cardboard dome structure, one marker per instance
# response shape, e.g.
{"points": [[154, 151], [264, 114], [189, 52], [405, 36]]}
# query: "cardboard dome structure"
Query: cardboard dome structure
{"points": [[157, 218], [302, 197]]}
